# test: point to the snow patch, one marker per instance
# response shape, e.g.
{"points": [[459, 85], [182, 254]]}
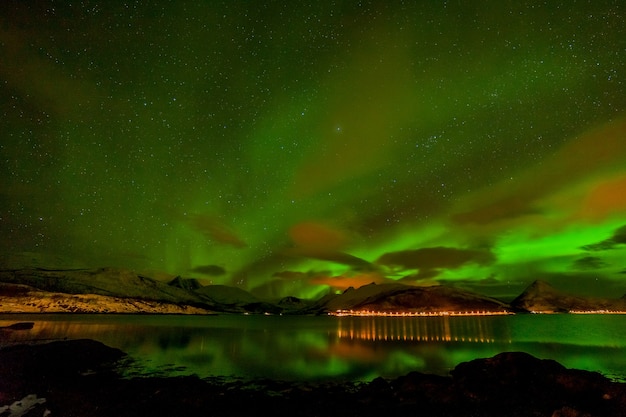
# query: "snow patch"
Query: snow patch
{"points": [[23, 406]]}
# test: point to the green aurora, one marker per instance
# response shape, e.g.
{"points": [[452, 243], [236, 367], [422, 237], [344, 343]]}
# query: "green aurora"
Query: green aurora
{"points": [[293, 149]]}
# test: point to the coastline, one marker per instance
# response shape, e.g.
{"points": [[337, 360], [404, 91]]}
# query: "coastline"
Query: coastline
{"points": [[81, 377]]}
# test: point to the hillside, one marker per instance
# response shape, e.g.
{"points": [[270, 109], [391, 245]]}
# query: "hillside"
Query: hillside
{"points": [[234, 300], [544, 298], [16, 298], [399, 297], [112, 282], [120, 290]]}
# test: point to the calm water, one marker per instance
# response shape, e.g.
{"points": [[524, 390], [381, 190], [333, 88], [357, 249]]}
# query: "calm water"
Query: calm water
{"points": [[346, 348]]}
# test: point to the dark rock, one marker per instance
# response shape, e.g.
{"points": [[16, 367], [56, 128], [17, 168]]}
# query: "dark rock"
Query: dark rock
{"points": [[27, 369], [518, 381], [75, 378]]}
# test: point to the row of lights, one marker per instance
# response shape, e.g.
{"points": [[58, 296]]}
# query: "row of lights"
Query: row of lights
{"points": [[597, 312], [370, 313]]}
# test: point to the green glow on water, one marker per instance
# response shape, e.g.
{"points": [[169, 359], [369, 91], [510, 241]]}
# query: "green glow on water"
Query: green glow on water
{"points": [[327, 348]]}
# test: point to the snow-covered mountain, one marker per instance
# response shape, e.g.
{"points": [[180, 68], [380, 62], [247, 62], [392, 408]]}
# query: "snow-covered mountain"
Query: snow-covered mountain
{"points": [[124, 291], [541, 297], [407, 298]]}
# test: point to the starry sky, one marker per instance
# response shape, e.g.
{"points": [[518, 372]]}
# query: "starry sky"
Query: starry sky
{"points": [[291, 148]]}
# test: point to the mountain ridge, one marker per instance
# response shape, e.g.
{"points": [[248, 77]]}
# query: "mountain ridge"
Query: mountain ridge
{"points": [[121, 290], [542, 297]]}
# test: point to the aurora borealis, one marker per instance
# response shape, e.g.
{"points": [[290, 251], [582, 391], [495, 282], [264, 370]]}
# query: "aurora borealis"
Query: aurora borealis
{"points": [[289, 149]]}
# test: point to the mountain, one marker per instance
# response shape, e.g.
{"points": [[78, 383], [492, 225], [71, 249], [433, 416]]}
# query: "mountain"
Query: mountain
{"points": [[119, 290], [227, 295], [17, 298], [407, 298], [124, 291], [543, 298], [235, 300], [293, 304], [112, 282], [187, 284]]}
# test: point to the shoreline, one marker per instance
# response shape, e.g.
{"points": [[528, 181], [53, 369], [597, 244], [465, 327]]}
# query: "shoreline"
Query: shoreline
{"points": [[81, 377], [357, 350]]}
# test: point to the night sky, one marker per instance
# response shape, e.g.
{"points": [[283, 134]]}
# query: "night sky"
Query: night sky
{"points": [[292, 148]]}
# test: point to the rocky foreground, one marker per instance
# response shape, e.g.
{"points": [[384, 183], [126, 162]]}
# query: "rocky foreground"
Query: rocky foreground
{"points": [[80, 378]]}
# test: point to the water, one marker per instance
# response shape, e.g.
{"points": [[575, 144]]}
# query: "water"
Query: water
{"points": [[335, 348]]}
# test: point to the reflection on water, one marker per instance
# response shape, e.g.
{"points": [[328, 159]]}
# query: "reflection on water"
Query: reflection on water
{"points": [[420, 329], [322, 348]]}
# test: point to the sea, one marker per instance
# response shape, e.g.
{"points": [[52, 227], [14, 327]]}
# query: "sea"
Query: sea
{"points": [[330, 348]]}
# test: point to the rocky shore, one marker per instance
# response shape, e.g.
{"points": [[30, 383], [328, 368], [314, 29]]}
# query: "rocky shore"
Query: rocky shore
{"points": [[82, 378]]}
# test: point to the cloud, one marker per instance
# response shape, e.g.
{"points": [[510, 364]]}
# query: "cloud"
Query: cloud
{"points": [[481, 285], [576, 161], [258, 269], [323, 242], [213, 270], [278, 288], [605, 197], [342, 282], [214, 229], [491, 286], [317, 236], [299, 275], [588, 263], [618, 238], [343, 258], [430, 261], [315, 283], [423, 275], [291, 275]]}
